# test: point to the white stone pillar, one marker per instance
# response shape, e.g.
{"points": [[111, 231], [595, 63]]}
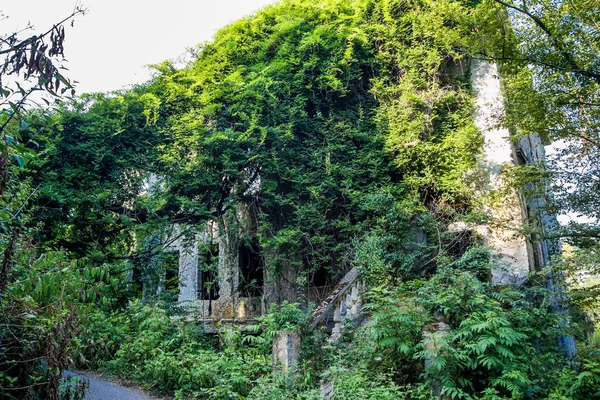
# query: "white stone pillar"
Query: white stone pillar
{"points": [[188, 272], [508, 247]]}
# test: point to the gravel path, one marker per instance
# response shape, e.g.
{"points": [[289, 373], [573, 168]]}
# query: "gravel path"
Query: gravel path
{"points": [[102, 389]]}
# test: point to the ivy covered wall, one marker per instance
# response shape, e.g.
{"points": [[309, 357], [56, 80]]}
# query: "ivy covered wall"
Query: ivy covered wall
{"points": [[348, 115]]}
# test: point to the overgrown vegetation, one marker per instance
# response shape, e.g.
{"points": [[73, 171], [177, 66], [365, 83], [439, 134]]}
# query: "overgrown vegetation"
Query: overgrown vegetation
{"points": [[343, 131]]}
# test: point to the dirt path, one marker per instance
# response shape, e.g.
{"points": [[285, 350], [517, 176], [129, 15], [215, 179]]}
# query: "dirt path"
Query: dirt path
{"points": [[103, 389]]}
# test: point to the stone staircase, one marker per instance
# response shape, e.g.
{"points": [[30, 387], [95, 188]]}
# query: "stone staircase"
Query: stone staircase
{"points": [[343, 303]]}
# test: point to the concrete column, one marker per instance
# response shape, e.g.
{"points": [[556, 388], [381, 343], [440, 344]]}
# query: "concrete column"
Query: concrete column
{"points": [[188, 272], [508, 247], [436, 334], [516, 256], [229, 271], [286, 351]]}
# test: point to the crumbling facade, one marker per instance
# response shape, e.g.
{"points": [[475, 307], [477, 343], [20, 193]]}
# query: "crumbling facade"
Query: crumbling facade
{"points": [[503, 205]]}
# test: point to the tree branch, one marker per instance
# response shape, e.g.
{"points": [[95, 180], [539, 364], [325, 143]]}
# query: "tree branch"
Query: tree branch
{"points": [[34, 38], [575, 68]]}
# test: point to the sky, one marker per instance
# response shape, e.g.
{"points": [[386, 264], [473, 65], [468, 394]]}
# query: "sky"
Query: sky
{"points": [[109, 47]]}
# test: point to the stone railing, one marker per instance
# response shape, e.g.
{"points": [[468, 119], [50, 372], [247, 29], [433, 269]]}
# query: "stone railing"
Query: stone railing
{"points": [[343, 303]]}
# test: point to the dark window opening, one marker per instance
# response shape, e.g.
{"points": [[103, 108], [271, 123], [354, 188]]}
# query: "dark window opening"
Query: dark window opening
{"points": [[320, 277], [520, 157], [208, 277], [251, 270], [460, 242], [317, 277], [319, 281]]}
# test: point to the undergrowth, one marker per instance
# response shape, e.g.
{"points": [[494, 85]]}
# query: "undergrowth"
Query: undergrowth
{"points": [[501, 344]]}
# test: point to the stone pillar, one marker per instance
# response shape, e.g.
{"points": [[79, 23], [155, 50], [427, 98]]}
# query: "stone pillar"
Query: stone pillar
{"points": [[501, 235], [286, 351], [436, 333], [188, 272], [229, 271], [187, 247]]}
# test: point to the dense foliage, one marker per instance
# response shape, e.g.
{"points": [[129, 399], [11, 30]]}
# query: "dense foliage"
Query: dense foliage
{"points": [[343, 130], [339, 111]]}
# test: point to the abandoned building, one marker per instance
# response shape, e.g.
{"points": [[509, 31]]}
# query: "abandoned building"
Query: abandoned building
{"points": [[223, 275]]}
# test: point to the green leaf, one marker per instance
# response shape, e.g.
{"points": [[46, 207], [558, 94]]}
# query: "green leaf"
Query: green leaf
{"points": [[14, 107], [20, 160]]}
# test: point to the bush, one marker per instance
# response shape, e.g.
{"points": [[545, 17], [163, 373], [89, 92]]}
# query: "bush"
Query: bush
{"points": [[143, 344]]}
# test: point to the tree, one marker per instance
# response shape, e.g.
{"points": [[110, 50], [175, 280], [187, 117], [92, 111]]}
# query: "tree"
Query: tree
{"points": [[31, 329], [29, 65]]}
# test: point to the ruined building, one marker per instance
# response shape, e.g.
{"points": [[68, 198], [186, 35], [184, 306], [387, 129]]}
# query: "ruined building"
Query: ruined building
{"points": [[222, 271]]}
